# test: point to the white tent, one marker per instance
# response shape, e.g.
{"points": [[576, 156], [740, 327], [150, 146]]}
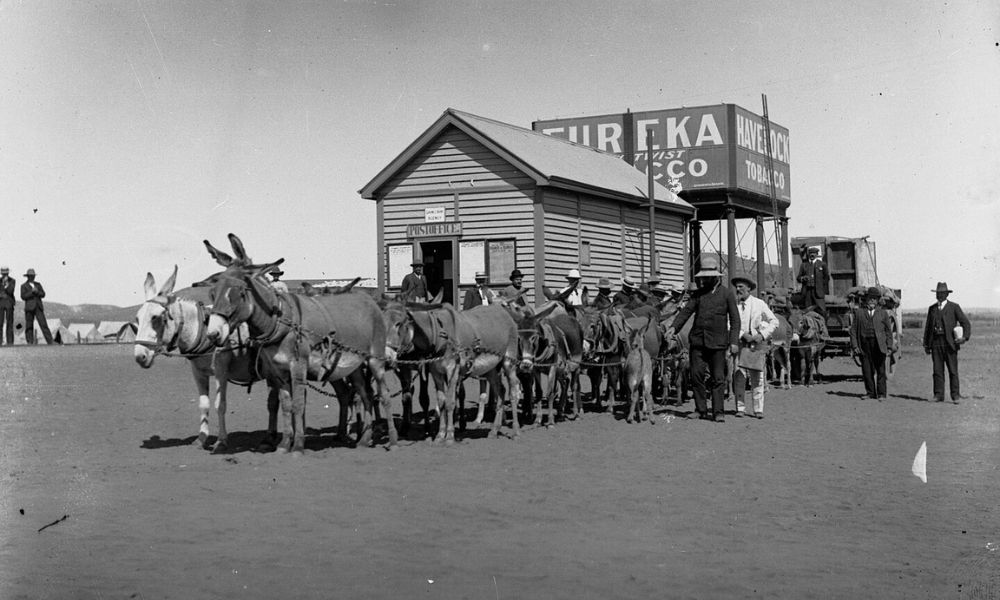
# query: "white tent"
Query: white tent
{"points": [[112, 331], [83, 333]]}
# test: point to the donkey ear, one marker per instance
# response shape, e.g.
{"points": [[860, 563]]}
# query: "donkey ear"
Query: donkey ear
{"points": [[220, 257], [206, 282], [168, 287], [149, 286], [238, 249], [438, 297]]}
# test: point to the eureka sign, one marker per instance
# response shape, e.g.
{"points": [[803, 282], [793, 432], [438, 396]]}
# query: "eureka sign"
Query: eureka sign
{"points": [[705, 148]]}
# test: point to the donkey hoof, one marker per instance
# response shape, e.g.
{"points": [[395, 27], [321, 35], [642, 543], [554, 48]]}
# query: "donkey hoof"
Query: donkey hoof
{"points": [[220, 447]]}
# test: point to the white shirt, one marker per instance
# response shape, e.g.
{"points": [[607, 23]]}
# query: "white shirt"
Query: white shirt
{"points": [[482, 294], [756, 318]]}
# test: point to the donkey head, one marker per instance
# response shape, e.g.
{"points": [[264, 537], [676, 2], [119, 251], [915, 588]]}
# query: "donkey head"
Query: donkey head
{"points": [[238, 291], [156, 327]]}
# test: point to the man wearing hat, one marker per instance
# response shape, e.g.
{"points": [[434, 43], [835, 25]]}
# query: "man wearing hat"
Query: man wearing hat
{"points": [[871, 340], [573, 294], [479, 295], [414, 287], [516, 290], [946, 329], [32, 293], [7, 302], [714, 333], [626, 297], [603, 298], [276, 283], [814, 276], [757, 323]]}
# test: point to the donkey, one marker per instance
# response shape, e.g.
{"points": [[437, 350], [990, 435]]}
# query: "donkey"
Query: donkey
{"points": [[639, 372], [168, 323], [809, 335], [325, 338], [604, 341], [778, 360], [479, 342], [551, 342], [399, 348]]}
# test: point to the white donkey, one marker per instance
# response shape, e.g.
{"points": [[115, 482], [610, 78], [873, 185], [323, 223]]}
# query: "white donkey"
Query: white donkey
{"points": [[168, 324]]}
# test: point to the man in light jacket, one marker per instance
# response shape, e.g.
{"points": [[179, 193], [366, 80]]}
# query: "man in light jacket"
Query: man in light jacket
{"points": [[757, 323]]}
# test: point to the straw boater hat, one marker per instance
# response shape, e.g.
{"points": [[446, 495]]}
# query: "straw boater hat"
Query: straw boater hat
{"points": [[516, 274], [942, 287], [628, 283], [746, 280], [480, 275], [604, 283], [709, 267]]}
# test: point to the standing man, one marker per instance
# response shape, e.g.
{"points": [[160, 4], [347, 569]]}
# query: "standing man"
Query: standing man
{"points": [[814, 275], [757, 323], [574, 295], [276, 283], [516, 290], [626, 297], [7, 302], [942, 340], [479, 295], [871, 339], [715, 332], [603, 298], [414, 284], [32, 293]]}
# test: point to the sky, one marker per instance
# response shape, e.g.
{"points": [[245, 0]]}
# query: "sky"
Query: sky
{"points": [[133, 130]]}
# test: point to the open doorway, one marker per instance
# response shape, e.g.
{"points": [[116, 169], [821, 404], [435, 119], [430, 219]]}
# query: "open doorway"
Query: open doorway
{"points": [[439, 268]]}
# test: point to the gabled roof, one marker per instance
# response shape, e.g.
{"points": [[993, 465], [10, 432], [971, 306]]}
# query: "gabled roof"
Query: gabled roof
{"points": [[550, 161]]}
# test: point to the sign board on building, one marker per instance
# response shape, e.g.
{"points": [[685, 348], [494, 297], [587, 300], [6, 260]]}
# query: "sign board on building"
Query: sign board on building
{"points": [[434, 214], [422, 230], [705, 148]]}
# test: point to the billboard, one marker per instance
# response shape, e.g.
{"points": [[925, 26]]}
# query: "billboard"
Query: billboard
{"points": [[703, 148]]}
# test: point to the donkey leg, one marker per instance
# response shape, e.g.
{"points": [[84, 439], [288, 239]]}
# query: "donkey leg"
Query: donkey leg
{"points": [[405, 378], [298, 405], [285, 397], [377, 369], [222, 443], [441, 391], [201, 381]]}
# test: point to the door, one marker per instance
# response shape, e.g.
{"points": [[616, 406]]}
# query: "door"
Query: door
{"points": [[439, 268]]}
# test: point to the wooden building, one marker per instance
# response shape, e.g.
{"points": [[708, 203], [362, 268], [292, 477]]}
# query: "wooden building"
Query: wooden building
{"points": [[473, 194]]}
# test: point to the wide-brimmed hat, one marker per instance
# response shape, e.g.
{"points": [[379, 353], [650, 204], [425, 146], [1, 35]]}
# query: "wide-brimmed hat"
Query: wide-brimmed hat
{"points": [[628, 283], [709, 266], [516, 274], [277, 271], [744, 279], [480, 275], [29, 273], [573, 274], [4, 270], [873, 292], [604, 283], [942, 287], [417, 263]]}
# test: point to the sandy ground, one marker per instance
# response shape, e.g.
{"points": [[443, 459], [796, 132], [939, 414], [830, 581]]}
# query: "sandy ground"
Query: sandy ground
{"points": [[815, 501]]}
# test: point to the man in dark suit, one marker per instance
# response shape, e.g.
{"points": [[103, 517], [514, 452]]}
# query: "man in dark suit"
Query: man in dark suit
{"points": [[32, 293], [871, 339], [479, 295], [414, 287], [7, 302], [814, 275], [715, 331], [942, 341]]}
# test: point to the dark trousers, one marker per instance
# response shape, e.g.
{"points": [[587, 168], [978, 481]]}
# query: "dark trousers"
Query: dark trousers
{"points": [[942, 355], [872, 367], [29, 326], [810, 298], [7, 324], [708, 375]]}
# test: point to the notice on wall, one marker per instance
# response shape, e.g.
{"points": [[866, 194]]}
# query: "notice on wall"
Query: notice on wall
{"points": [[400, 257], [472, 258], [502, 260]]}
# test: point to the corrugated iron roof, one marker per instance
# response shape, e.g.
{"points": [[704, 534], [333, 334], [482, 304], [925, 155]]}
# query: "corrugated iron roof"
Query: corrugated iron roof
{"points": [[551, 161]]}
